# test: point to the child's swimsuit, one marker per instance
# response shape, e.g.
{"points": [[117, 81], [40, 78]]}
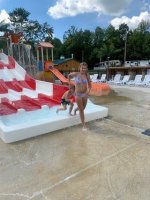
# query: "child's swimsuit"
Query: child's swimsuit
{"points": [[64, 102]]}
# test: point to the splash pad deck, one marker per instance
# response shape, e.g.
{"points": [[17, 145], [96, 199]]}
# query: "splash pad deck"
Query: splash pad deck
{"points": [[28, 106]]}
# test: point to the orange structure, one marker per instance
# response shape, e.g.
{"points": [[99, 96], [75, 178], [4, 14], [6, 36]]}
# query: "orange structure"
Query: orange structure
{"points": [[98, 89]]}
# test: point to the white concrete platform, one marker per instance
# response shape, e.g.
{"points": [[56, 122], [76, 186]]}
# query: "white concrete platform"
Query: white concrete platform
{"points": [[19, 124], [23, 125]]}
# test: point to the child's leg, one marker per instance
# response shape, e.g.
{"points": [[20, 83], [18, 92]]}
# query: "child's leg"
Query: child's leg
{"points": [[75, 110], [70, 109], [64, 107]]}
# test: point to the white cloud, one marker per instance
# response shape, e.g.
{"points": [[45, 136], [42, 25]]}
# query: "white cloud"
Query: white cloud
{"points": [[146, 5], [131, 22], [64, 8], [4, 16]]}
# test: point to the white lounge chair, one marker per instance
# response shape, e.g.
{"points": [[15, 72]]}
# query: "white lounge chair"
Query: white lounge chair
{"points": [[94, 79], [148, 84], [136, 81], [103, 78], [146, 80], [124, 80], [116, 79], [91, 77]]}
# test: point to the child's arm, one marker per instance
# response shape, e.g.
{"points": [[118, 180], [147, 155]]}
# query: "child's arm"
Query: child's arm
{"points": [[64, 95], [68, 97]]}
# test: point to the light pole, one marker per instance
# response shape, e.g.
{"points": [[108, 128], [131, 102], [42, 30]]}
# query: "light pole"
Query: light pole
{"points": [[108, 68], [82, 55], [125, 46]]}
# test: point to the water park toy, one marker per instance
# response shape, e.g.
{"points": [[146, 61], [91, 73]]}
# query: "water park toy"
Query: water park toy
{"points": [[28, 106]]}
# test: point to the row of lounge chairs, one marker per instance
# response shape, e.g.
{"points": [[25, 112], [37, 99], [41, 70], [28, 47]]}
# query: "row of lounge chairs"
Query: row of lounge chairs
{"points": [[95, 79], [139, 80]]}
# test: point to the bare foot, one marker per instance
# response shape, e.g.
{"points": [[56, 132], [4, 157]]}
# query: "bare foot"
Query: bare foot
{"points": [[84, 128], [70, 114], [75, 112]]}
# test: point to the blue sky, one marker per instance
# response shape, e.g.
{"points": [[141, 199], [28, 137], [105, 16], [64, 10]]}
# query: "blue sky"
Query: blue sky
{"points": [[85, 14]]}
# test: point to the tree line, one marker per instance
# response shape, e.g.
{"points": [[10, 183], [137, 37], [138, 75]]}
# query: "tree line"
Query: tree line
{"points": [[85, 45]]}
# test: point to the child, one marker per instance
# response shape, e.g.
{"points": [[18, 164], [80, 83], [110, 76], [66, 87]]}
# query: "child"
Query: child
{"points": [[67, 99]]}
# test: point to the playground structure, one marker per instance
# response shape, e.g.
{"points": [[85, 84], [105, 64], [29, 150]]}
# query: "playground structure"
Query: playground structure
{"points": [[28, 106], [15, 47], [98, 89]]}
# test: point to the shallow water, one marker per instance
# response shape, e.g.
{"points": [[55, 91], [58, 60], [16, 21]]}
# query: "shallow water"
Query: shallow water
{"points": [[112, 97], [127, 107], [24, 117]]}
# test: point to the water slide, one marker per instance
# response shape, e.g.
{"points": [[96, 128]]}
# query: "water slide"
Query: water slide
{"points": [[28, 106], [98, 89], [59, 75]]}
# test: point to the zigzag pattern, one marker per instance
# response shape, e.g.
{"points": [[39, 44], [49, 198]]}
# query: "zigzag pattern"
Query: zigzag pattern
{"points": [[18, 90]]}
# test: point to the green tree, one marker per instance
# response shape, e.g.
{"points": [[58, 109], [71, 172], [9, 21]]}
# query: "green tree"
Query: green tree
{"points": [[98, 37], [18, 17], [111, 43], [79, 43], [35, 32], [58, 47], [143, 27]]}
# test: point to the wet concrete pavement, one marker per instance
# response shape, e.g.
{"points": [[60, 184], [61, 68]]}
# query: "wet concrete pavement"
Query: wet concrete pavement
{"points": [[110, 161]]}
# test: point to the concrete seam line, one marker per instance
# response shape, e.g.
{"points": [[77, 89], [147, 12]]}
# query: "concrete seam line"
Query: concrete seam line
{"points": [[140, 129], [82, 170]]}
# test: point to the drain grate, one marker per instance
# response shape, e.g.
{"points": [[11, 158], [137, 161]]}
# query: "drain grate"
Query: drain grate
{"points": [[146, 132]]}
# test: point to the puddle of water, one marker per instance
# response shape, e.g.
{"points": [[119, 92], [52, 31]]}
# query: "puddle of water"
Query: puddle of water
{"points": [[112, 97]]}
